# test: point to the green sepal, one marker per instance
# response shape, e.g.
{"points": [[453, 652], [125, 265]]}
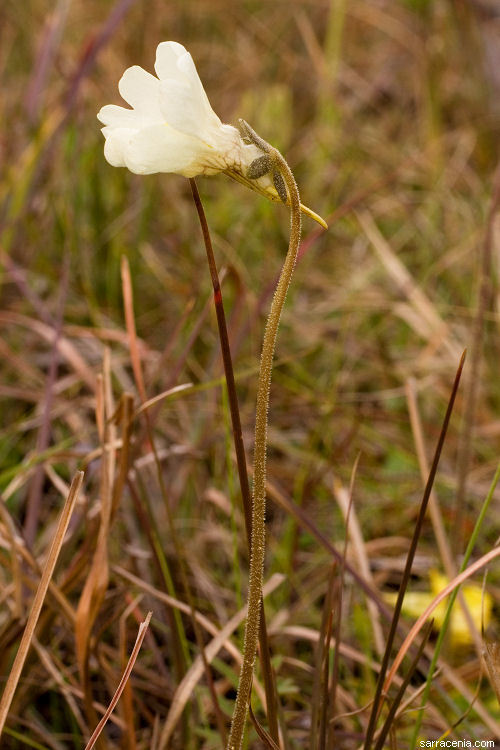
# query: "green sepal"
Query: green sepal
{"points": [[259, 167], [279, 184]]}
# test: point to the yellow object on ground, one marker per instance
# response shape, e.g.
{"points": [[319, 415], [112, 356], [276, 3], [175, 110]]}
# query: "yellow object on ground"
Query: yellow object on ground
{"points": [[478, 602]]}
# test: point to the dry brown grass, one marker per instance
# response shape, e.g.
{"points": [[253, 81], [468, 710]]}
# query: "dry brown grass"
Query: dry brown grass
{"points": [[387, 112]]}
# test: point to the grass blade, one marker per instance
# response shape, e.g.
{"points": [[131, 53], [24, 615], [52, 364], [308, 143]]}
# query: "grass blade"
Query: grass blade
{"points": [[409, 560], [399, 696], [119, 690], [36, 608]]}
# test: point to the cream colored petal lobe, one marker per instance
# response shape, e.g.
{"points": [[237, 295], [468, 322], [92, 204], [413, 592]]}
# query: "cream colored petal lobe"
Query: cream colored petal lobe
{"points": [[118, 117], [173, 62], [167, 57], [186, 112], [187, 66], [141, 90], [117, 142], [160, 148]]}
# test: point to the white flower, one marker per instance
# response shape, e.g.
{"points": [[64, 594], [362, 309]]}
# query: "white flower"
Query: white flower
{"points": [[171, 126]]}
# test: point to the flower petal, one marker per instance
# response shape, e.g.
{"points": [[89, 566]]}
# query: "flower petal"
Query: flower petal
{"points": [[118, 117], [173, 62], [187, 66], [160, 148], [167, 58], [117, 141], [141, 90], [185, 111]]}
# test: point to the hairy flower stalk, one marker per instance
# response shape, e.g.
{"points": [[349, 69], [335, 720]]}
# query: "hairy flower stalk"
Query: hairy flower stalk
{"points": [[283, 178]]}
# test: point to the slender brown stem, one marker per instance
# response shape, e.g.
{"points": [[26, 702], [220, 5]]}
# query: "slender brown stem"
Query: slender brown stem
{"points": [[268, 674], [228, 365], [259, 486]]}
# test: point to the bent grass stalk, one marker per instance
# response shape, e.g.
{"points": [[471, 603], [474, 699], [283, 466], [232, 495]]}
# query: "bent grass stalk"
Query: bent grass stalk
{"points": [[261, 421], [122, 683]]}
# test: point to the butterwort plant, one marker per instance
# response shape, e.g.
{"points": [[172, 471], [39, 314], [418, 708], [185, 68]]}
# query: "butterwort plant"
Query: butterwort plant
{"points": [[171, 127]]}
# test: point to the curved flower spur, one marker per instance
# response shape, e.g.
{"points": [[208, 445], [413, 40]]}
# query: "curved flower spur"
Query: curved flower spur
{"points": [[172, 128]]}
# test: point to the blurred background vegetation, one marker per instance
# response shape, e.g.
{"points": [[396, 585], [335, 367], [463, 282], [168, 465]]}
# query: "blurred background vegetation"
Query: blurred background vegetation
{"points": [[388, 113]]}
